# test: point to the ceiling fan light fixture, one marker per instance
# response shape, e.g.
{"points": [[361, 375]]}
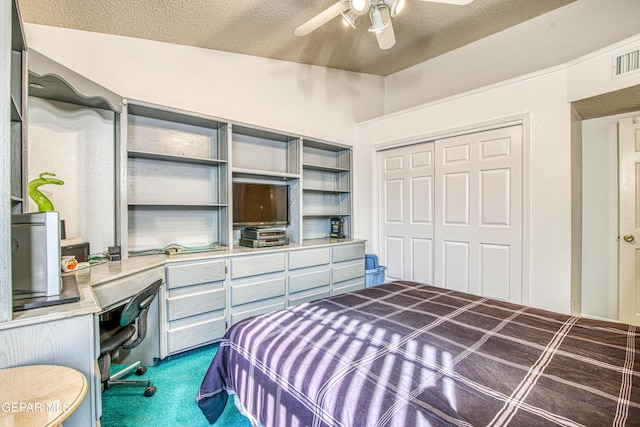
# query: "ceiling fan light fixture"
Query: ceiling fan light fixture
{"points": [[349, 18], [377, 24], [360, 7], [395, 6]]}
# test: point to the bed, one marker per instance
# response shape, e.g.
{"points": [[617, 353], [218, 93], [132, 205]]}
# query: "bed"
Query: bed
{"points": [[408, 354]]}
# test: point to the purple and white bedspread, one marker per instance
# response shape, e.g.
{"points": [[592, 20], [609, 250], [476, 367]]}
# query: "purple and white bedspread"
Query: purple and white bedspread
{"points": [[406, 354]]}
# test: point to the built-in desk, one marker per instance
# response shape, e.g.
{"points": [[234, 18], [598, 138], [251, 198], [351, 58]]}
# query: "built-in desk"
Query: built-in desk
{"points": [[202, 295], [67, 334]]}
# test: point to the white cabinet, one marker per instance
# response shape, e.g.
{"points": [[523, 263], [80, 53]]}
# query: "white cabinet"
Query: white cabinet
{"points": [[348, 264], [309, 275], [326, 187], [263, 283], [176, 180], [193, 309], [66, 342], [257, 285]]}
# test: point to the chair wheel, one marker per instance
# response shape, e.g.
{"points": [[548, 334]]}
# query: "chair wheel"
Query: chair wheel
{"points": [[141, 370], [149, 391]]}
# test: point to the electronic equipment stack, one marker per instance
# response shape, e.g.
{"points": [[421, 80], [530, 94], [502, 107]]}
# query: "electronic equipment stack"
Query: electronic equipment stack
{"points": [[254, 237]]}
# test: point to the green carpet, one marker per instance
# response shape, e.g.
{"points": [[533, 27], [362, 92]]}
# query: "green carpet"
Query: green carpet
{"points": [[177, 380]]}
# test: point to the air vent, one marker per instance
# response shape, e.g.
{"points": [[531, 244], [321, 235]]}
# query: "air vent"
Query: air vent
{"points": [[626, 63]]}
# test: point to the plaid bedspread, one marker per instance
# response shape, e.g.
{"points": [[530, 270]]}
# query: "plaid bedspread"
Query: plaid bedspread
{"points": [[406, 354]]}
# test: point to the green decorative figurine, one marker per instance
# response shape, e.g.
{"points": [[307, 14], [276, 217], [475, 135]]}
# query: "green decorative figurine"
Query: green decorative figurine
{"points": [[44, 204]]}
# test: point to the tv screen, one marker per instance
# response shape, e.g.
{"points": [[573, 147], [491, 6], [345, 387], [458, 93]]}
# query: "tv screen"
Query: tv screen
{"points": [[260, 204]]}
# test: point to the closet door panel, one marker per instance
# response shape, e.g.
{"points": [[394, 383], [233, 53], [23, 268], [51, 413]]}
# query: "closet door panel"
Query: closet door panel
{"points": [[478, 182], [406, 212]]}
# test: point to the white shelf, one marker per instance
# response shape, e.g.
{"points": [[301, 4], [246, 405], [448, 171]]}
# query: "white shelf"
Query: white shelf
{"points": [[173, 158], [177, 178], [325, 190], [326, 187], [16, 116], [150, 206], [262, 174], [260, 152]]}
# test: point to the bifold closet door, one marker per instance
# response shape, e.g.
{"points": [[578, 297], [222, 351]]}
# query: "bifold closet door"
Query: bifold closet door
{"points": [[478, 218], [450, 213], [405, 212]]}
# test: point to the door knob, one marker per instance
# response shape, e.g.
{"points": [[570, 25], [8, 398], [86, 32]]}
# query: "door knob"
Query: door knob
{"points": [[629, 238]]}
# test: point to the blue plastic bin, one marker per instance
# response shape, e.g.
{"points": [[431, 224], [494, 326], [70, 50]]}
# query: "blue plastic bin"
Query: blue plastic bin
{"points": [[373, 273], [370, 261]]}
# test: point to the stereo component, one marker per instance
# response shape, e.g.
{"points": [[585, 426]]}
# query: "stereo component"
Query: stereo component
{"points": [[255, 233], [264, 243]]}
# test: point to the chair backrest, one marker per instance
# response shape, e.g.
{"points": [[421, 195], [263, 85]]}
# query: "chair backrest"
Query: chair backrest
{"points": [[139, 303]]}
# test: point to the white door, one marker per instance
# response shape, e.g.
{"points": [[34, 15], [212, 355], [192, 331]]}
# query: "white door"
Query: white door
{"points": [[405, 188], [451, 213], [478, 219], [629, 252]]}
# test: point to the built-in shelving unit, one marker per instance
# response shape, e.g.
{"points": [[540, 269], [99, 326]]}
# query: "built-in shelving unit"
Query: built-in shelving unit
{"points": [[326, 187], [18, 110], [175, 169], [12, 137], [176, 179], [260, 155], [265, 154]]}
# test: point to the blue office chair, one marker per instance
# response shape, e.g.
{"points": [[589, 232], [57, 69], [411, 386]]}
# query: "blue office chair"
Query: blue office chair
{"points": [[113, 336]]}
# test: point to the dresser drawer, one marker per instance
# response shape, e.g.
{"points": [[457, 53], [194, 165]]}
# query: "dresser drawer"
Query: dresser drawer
{"points": [[309, 297], [348, 272], [304, 281], [241, 315], [201, 300], [205, 331], [247, 266], [192, 273], [348, 252], [344, 287], [244, 294], [309, 258]]}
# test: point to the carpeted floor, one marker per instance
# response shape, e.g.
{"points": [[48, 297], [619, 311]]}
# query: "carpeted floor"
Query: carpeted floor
{"points": [[177, 380]]}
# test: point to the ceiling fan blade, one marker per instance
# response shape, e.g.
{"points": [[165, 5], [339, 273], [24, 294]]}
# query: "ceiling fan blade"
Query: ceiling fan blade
{"points": [[322, 18], [456, 2], [386, 37]]}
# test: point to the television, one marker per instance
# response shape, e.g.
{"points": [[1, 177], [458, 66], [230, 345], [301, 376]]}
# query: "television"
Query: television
{"points": [[260, 205]]}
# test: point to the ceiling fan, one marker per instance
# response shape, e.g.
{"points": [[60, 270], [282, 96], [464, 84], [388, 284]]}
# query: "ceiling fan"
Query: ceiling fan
{"points": [[380, 12]]}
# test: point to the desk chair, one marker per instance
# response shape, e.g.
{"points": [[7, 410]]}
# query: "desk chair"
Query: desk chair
{"points": [[120, 334]]}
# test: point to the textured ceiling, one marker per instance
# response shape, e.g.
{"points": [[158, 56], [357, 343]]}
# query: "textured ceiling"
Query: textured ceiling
{"points": [[265, 28], [617, 102]]}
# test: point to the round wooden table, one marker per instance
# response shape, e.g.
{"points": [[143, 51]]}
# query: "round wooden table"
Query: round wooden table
{"points": [[39, 395]]}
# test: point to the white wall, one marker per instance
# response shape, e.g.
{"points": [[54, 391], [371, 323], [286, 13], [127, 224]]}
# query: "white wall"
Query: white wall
{"points": [[312, 101], [554, 38], [77, 145], [592, 74]]}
